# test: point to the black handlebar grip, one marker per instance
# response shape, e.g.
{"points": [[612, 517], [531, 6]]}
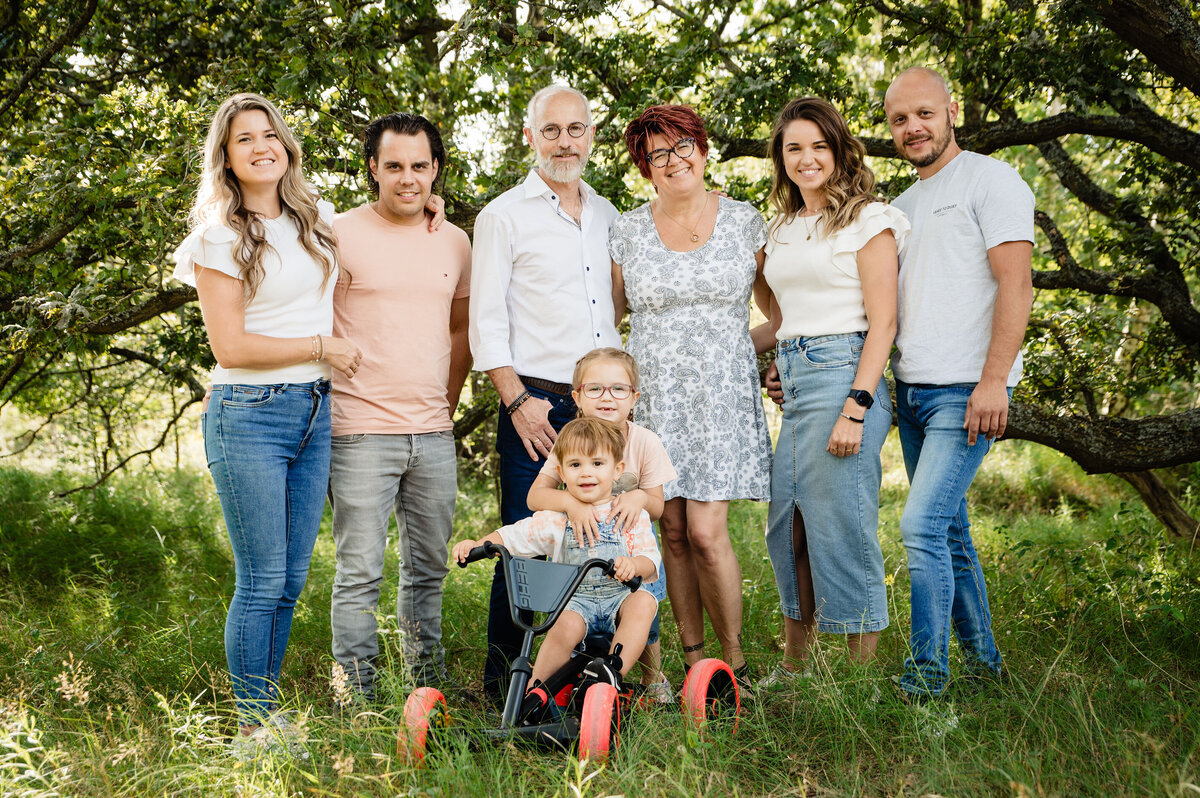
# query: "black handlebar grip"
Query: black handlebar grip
{"points": [[476, 554]]}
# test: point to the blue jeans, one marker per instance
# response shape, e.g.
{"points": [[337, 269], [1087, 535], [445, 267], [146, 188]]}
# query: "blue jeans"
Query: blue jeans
{"points": [[837, 497], [948, 592], [517, 474], [268, 452], [372, 477]]}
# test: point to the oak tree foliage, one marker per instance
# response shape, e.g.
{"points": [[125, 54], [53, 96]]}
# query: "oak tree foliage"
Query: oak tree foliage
{"points": [[103, 106]]}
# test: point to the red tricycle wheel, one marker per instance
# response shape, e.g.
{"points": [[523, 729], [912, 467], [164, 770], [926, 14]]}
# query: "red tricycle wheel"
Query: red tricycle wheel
{"points": [[710, 690], [600, 723], [424, 710]]}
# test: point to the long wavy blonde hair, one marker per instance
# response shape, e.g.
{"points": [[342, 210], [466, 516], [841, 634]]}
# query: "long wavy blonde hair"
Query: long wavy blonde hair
{"points": [[220, 201], [848, 190]]}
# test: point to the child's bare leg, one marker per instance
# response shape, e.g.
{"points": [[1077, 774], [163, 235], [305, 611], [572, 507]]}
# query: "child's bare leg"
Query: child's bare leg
{"points": [[566, 633], [633, 627], [651, 662]]}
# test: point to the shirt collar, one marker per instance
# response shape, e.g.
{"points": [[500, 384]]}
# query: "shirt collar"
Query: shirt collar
{"points": [[536, 187]]}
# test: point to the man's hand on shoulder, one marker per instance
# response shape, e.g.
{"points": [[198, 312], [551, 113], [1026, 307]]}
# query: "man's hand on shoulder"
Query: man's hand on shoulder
{"points": [[436, 206], [987, 411]]}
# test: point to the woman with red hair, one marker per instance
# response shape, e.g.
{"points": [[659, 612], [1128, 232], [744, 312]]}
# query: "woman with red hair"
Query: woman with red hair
{"points": [[685, 265]]}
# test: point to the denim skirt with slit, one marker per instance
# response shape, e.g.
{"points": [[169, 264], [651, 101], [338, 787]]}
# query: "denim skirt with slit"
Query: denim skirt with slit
{"points": [[836, 498]]}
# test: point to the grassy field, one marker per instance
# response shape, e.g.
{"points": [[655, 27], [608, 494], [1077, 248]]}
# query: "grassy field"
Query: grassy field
{"points": [[112, 683]]}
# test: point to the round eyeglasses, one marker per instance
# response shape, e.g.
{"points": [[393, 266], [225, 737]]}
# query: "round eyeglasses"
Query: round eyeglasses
{"points": [[594, 390], [574, 130], [683, 148]]}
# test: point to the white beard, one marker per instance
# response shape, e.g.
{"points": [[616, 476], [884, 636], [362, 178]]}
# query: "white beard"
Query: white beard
{"points": [[562, 172]]}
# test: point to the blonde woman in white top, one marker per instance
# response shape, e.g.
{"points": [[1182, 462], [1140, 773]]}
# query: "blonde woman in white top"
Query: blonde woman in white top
{"points": [[263, 259], [832, 268]]}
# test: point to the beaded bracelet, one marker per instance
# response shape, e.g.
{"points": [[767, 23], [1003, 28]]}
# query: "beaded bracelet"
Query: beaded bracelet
{"points": [[321, 341], [312, 350], [520, 400]]}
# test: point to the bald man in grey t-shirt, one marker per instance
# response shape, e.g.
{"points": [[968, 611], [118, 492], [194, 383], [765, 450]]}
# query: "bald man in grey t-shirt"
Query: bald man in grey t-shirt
{"points": [[965, 293]]}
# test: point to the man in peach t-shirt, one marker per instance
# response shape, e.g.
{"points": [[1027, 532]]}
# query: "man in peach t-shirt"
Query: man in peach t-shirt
{"points": [[403, 298]]}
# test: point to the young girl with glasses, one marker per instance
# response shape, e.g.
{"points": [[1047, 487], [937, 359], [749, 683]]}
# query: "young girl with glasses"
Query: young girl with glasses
{"points": [[606, 386]]}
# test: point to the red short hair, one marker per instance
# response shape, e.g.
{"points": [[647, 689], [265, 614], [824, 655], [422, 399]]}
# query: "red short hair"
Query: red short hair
{"points": [[679, 120]]}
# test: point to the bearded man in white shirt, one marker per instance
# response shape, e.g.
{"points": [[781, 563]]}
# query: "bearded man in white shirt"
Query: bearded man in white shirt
{"points": [[541, 291]]}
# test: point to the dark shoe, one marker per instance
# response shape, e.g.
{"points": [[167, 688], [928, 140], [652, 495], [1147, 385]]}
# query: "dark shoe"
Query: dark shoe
{"points": [[601, 670], [745, 682], [430, 675], [536, 706]]}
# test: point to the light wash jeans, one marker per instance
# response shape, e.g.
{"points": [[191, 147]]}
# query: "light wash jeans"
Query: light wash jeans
{"points": [[373, 476], [268, 451], [598, 598], [948, 592]]}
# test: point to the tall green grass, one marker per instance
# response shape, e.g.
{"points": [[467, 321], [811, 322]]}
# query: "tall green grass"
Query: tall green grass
{"points": [[112, 677]]}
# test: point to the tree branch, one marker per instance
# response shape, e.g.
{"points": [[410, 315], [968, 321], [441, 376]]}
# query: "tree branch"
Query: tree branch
{"points": [[1164, 30], [1109, 445], [1141, 127], [181, 374], [67, 36], [1165, 284], [162, 439], [165, 300]]}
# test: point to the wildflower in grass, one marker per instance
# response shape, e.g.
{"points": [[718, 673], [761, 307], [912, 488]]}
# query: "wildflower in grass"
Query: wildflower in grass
{"points": [[73, 681], [126, 751], [339, 683], [343, 765]]}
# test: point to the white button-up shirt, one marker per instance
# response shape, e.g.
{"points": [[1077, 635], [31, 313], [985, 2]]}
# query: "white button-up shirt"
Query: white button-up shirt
{"points": [[541, 285]]}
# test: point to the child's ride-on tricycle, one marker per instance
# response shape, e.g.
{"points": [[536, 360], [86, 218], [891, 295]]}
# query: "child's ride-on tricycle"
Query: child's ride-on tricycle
{"points": [[586, 700]]}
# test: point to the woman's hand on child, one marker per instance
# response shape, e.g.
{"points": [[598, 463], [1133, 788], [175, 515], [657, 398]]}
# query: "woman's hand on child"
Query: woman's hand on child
{"points": [[627, 508], [462, 549]]}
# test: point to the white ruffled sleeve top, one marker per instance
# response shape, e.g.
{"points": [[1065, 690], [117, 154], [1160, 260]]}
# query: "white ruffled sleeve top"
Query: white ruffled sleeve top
{"points": [[293, 300], [815, 278]]}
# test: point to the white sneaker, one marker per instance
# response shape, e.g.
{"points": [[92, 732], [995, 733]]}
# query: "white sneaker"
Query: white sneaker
{"points": [[660, 692], [263, 741], [290, 730], [783, 678]]}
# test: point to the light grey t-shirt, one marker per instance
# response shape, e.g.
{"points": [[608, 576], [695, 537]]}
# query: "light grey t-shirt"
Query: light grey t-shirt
{"points": [[947, 290]]}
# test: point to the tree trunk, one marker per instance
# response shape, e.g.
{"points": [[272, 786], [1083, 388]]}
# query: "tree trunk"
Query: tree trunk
{"points": [[1162, 503]]}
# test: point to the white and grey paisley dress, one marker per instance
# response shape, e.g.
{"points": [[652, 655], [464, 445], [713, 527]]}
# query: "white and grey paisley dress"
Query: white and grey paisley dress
{"points": [[689, 332]]}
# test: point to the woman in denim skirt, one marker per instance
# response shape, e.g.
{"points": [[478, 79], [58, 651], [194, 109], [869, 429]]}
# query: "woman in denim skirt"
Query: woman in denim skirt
{"points": [[832, 268], [263, 259]]}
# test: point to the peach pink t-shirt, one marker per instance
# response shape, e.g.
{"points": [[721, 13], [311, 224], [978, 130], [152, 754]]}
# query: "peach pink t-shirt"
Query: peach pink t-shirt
{"points": [[393, 300], [647, 464]]}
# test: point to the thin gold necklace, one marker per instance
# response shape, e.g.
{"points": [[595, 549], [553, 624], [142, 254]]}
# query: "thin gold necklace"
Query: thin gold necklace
{"points": [[692, 229], [812, 229]]}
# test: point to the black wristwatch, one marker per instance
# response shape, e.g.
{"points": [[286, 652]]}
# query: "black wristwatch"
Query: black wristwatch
{"points": [[862, 398]]}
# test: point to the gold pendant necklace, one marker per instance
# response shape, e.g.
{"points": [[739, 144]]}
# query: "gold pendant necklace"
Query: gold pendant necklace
{"points": [[692, 229], [812, 229]]}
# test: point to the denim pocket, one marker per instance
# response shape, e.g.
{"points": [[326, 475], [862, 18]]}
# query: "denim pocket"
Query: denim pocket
{"points": [[248, 396], [834, 353], [883, 398], [349, 440]]}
